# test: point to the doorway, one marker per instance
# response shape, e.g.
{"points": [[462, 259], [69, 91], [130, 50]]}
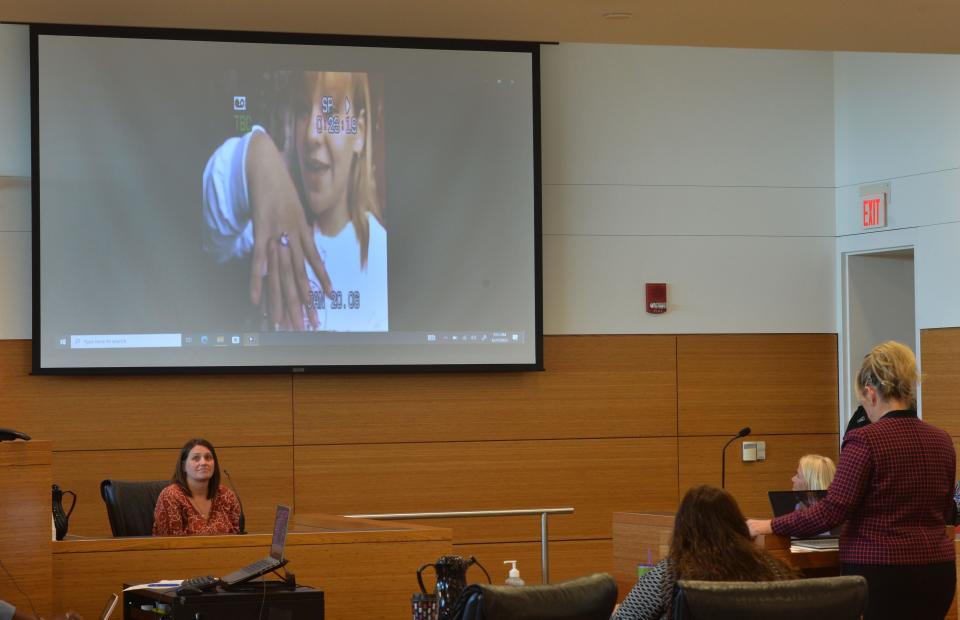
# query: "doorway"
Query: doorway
{"points": [[879, 304]]}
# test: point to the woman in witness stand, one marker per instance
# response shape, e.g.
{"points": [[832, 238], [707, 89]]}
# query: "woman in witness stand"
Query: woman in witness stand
{"points": [[710, 542], [195, 502], [894, 494]]}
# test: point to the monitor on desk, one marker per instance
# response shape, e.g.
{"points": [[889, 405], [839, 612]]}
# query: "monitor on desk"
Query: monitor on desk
{"points": [[280, 526], [786, 502]]}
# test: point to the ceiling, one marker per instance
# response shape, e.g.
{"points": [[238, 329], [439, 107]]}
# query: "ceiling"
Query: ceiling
{"points": [[869, 25]]}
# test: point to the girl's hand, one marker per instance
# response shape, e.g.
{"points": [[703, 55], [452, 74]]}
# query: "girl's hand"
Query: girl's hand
{"points": [[282, 240]]}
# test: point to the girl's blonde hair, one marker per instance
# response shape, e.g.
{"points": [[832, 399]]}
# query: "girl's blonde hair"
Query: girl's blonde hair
{"points": [[362, 197], [817, 471], [362, 194], [891, 369]]}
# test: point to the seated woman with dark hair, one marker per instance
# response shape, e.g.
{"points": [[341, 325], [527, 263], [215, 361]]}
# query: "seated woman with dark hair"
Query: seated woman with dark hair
{"points": [[710, 542], [195, 502]]}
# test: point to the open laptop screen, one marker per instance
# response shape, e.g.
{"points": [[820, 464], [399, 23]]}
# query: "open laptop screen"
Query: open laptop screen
{"points": [[280, 524], [785, 502]]}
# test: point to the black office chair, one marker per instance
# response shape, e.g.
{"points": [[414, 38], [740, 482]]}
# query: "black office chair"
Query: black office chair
{"points": [[825, 598], [130, 505], [585, 598]]}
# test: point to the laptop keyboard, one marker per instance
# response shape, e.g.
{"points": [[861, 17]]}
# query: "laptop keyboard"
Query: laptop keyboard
{"points": [[249, 571]]}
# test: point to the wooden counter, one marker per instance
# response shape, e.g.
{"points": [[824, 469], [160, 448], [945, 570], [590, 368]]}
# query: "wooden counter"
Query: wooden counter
{"points": [[26, 523], [367, 569], [637, 537]]}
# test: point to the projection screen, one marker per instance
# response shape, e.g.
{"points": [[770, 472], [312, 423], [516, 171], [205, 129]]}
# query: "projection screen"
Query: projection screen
{"points": [[217, 201]]}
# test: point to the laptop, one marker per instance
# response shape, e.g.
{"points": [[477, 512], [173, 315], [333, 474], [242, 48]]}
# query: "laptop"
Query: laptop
{"points": [[270, 563], [785, 502]]}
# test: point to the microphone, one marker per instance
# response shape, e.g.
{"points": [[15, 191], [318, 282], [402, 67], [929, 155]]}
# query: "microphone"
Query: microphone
{"points": [[234, 489], [723, 455]]}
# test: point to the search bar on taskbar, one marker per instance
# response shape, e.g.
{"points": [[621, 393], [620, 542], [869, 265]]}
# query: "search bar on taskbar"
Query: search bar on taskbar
{"points": [[125, 341]]}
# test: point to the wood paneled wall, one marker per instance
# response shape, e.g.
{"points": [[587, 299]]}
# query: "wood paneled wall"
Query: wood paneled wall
{"points": [[940, 382], [940, 379], [616, 423]]}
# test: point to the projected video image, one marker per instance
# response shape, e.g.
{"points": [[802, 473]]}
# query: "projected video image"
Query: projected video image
{"points": [[227, 204], [297, 193]]}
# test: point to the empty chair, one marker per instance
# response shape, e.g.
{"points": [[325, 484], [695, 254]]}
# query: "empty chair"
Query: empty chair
{"points": [[130, 505], [585, 598], [826, 598]]}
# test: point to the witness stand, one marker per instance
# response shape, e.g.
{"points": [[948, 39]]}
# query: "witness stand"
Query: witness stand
{"points": [[365, 569]]}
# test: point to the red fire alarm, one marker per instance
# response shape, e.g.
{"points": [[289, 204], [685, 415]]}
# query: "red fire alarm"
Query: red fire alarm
{"points": [[656, 297]]}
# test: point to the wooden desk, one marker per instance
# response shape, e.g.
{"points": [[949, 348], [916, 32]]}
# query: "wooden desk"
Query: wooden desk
{"points": [[637, 534], [812, 563], [26, 523], [366, 569]]}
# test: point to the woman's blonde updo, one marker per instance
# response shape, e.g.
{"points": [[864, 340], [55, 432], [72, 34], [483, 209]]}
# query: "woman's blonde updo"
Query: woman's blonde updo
{"points": [[891, 369]]}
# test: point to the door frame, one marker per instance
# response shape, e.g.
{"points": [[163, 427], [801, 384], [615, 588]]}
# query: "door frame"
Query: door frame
{"points": [[846, 365]]}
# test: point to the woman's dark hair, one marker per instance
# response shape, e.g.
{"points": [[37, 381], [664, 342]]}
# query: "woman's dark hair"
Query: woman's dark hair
{"points": [[180, 477], [711, 541]]}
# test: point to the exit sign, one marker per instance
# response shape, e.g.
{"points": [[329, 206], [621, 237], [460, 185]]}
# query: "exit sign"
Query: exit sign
{"points": [[874, 210]]}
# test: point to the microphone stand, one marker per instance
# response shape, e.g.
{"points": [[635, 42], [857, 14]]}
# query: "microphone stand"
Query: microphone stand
{"points": [[723, 455], [242, 523]]}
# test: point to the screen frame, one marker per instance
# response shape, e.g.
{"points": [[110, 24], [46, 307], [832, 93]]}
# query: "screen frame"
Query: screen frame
{"points": [[284, 38]]}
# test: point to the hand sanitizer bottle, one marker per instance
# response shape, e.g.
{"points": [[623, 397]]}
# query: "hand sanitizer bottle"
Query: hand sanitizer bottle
{"points": [[513, 579]]}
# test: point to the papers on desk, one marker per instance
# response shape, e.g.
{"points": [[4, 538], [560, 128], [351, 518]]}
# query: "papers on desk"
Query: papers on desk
{"points": [[819, 544], [796, 549], [163, 584]]}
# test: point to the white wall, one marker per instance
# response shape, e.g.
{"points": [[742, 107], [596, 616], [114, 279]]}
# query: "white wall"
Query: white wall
{"points": [[898, 120], [15, 320], [708, 169]]}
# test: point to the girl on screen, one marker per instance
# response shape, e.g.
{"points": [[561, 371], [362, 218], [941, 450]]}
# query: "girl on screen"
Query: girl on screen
{"points": [[302, 204]]}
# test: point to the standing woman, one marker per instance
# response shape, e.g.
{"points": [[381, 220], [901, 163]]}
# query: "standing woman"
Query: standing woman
{"points": [[893, 492], [195, 503]]}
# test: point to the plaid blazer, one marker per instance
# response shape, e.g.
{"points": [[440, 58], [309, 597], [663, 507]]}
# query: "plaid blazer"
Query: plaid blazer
{"points": [[893, 493]]}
